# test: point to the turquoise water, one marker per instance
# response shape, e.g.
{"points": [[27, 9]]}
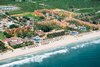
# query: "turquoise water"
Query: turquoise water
{"points": [[81, 54]]}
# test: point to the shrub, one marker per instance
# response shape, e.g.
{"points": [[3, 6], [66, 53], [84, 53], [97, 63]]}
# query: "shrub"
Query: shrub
{"points": [[28, 34], [55, 34], [7, 35], [13, 26], [44, 27], [47, 26], [2, 46]]}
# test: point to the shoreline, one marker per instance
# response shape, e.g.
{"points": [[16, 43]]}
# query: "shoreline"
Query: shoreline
{"points": [[66, 39]]}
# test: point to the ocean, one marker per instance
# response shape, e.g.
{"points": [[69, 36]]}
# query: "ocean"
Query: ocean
{"points": [[80, 54]]}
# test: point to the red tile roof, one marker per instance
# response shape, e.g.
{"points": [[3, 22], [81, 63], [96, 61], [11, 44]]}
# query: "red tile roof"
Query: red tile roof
{"points": [[13, 40]]}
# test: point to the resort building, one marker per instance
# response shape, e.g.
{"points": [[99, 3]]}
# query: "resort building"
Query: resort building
{"points": [[8, 8], [5, 23], [13, 40]]}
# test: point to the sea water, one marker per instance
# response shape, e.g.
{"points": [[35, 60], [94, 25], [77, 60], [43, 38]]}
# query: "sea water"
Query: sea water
{"points": [[81, 54]]}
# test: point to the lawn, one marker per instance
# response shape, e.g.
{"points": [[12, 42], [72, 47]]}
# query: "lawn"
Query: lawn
{"points": [[62, 4], [2, 36]]}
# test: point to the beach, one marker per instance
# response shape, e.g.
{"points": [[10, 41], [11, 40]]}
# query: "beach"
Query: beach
{"points": [[65, 40]]}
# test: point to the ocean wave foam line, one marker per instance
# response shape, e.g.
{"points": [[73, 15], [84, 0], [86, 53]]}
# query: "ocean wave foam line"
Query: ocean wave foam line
{"points": [[37, 58], [86, 44]]}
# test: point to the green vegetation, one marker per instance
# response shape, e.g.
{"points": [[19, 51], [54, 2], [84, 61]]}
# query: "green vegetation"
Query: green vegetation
{"points": [[24, 44], [24, 6], [2, 36], [47, 27], [2, 16], [28, 34], [78, 25], [13, 26], [7, 35], [29, 15], [90, 17], [87, 7], [72, 5], [2, 46], [74, 22], [86, 10], [56, 34]]}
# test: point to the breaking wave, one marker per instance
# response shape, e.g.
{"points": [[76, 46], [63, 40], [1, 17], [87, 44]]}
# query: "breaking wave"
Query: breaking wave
{"points": [[84, 44], [37, 58]]}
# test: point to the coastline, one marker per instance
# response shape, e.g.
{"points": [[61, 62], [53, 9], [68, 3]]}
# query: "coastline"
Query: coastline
{"points": [[68, 39]]}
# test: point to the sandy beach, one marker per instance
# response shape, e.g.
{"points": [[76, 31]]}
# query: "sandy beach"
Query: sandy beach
{"points": [[65, 40]]}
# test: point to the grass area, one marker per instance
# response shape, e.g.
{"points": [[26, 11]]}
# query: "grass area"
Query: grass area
{"points": [[28, 14], [62, 4], [25, 7], [85, 10], [2, 36]]}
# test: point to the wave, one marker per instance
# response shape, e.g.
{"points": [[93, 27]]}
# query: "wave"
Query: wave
{"points": [[40, 58], [37, 58], [84, 44]]}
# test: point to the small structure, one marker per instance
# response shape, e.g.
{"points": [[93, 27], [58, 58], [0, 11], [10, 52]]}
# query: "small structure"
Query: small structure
{"points": [[8, 8], [4, 23], [36, 39], [82, 28], [9, 23], [73, 32]]}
